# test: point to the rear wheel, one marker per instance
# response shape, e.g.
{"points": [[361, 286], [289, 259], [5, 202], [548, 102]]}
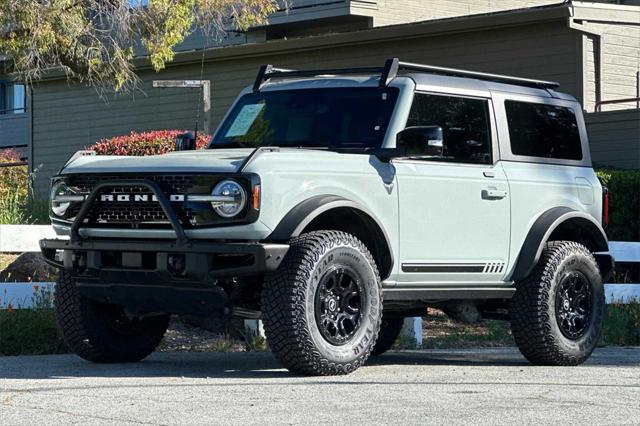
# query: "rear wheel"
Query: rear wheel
{"points": [[101, 332], [557, 312], [389, 332], [322, 307]]}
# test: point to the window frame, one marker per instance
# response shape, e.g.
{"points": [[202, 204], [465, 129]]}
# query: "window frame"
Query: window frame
{"points": [[505, 137], [493, 131], [6, 87]]}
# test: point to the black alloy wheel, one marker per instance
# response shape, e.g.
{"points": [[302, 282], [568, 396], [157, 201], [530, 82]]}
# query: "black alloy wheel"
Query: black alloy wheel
{"points": [[574, 300], [337, 304]]}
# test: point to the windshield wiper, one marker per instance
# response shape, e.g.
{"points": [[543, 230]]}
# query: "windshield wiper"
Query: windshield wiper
{"points": [[321, 148], [231, 144]]}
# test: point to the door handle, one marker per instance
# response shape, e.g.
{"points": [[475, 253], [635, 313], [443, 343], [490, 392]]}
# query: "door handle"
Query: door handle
{"points": [[493, 194]]}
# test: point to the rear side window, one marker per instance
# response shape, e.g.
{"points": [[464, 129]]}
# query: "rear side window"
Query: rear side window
{"points": [[545, 131]]}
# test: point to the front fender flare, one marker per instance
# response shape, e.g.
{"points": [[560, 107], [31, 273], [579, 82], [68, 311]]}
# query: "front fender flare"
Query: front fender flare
{"points": [[542, 229], [294, 222], [303, 214]]}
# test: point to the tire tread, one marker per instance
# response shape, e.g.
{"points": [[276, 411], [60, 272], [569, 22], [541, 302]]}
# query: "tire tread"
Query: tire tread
{"points": [[283, 305]]}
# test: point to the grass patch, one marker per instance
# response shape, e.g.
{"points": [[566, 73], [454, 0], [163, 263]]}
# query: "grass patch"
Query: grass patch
{"points": [[405, 342], [31, 331], [621, 325], [257, 344]]}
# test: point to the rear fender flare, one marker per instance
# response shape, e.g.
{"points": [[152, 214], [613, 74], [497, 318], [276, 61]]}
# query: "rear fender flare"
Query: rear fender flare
{"points": [[543, 229]]}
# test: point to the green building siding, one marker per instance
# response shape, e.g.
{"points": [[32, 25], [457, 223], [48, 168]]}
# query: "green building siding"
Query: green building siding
{"points": [[614, 138]]}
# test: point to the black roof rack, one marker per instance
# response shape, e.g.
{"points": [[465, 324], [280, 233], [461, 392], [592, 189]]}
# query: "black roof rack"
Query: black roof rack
{"points": [[390, 70]]}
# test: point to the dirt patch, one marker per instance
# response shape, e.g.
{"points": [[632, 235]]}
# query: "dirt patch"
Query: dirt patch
{"points": [[440, 331], [6, 260], [183, 337], [28, 267]]}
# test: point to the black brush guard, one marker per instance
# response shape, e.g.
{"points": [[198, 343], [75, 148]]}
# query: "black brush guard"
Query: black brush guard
{"points": [[150, 275]]}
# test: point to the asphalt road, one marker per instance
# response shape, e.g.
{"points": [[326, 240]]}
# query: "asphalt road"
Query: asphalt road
{"points": [[432, 387]]}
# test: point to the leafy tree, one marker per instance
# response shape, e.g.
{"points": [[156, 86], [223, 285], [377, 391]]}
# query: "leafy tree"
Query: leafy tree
{"points": [[94, 41]]}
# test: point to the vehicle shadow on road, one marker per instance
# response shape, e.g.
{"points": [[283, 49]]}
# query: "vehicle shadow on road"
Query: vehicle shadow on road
{"points": [[263, 365], [256, 365]]}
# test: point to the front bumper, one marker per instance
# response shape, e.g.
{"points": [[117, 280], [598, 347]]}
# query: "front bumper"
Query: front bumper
{"points": [[160, 276], [180, 275]]}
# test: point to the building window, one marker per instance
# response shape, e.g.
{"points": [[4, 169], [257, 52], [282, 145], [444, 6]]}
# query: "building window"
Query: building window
{"points": [[545, 131], [13, 99], [464, 123]]}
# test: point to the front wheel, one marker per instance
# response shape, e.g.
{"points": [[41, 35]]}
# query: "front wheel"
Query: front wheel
{"points": [[557, 312], [103, 333], [322, 307]]}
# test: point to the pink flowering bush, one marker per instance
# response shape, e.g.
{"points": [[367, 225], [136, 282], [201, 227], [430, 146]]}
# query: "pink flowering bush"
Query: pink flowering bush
{"points": [[144, 143]]}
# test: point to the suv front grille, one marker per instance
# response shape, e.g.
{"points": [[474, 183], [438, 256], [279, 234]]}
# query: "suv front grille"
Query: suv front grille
{"points": [[143, 213], [178, 184], [148, 214]]}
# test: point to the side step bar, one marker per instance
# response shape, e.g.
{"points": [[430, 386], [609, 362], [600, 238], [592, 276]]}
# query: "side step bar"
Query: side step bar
{"points": [[448, 293]]}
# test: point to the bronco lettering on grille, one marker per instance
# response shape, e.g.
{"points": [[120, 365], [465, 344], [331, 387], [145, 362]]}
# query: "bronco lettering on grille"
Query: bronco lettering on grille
{"points": [[137, 198]]}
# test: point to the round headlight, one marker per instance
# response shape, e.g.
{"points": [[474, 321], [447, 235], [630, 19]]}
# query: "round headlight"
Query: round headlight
{"points": [[59, 191], [235, 198]]}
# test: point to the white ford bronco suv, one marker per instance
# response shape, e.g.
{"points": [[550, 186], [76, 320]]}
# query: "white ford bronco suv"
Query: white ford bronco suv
{"points": [[332, 204]]}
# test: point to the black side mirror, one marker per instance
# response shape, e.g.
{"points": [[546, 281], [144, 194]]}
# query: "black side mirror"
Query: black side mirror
{"points": [[185, 142], [421, 140]]}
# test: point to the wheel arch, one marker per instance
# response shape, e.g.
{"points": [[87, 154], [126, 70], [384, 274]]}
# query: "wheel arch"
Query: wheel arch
{"points": [[340, 214], [563, 223]]}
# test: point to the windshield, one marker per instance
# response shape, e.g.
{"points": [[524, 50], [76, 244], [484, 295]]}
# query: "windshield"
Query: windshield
{"points": [[351, 119]]}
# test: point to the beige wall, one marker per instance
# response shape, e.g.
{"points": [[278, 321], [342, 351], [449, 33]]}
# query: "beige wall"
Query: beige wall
{"points": [[611, 45], [617, 52], [398, 11]]}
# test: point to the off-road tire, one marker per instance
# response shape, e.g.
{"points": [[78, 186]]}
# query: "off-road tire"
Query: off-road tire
{"points": [[534, 321], [288, 304], [389, 332], [87, 327]]}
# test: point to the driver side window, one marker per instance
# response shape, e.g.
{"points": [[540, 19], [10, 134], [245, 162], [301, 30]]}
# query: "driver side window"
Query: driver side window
{"points": [[464, 122]]}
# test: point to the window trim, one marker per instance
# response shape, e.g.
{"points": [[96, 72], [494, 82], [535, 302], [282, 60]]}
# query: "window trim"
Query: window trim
{"points": [[6, 85], [547, 107], [493, 131], [505, 137]]}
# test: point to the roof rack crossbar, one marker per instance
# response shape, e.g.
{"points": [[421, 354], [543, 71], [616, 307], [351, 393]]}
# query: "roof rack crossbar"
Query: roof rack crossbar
{"points": [[390, 70], [410, 66], [268, 72]]}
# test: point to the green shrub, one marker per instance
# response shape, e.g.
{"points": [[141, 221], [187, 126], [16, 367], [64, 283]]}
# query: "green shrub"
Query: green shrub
{"points": [[624, 203], [143, 143], [14, 189], [18, 205], [624, 215]]}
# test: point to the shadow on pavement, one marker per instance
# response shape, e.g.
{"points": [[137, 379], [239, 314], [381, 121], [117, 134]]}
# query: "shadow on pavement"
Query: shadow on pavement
{"points": [[262, 365]]}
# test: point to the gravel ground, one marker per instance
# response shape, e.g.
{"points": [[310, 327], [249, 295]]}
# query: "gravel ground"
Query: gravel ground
{"points": [[439, 332], [181, 337]]}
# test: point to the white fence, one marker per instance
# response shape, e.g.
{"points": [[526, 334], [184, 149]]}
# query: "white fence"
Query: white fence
{"points": [[24, 238]]}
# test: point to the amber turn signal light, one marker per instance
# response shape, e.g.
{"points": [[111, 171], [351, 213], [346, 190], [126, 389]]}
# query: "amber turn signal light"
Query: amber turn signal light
{"points": [[256, 197]]}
